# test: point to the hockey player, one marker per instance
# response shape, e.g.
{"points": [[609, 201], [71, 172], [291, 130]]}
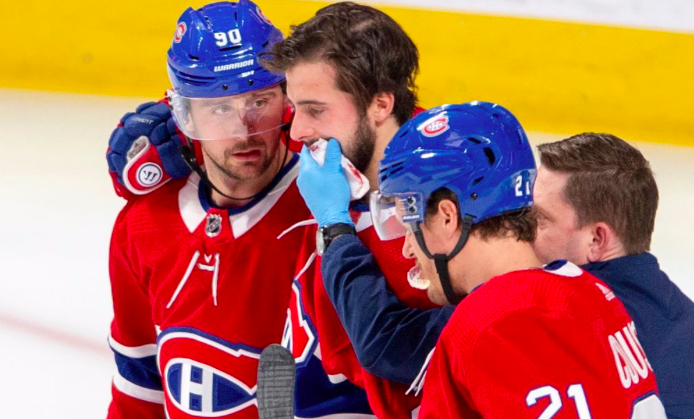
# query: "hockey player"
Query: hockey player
{"points": [[364, 32], [596, 201], [350, 75], [195, 299], [525, 342]]}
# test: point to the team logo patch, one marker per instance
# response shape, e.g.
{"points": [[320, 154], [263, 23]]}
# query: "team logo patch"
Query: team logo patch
{"points": [[149, 174], [205, 376], [180, 31], [299, 335], [196, 387], [262, 16], [213, 225], [434, 126]]}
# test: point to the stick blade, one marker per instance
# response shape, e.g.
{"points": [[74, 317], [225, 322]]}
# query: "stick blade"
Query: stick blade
{"points": [[276, 379]]}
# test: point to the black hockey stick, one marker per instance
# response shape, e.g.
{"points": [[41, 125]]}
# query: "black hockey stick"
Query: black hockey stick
{"points": [[276, 377]]}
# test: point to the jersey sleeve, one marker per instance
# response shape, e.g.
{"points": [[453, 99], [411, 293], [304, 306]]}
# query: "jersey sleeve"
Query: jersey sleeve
{"points": [[391, 340], [337, 355], [137, 386]]}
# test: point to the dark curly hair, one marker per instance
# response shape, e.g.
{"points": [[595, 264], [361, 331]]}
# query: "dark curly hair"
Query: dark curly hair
{"points": [[369, 51]]}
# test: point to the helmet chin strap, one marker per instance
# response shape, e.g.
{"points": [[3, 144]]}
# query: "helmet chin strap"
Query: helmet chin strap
{"points": [[188, 154], [441, 260]]}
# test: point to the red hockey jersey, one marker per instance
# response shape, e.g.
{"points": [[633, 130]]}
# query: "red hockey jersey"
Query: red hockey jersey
{"points": [[386, 398], [198, 292], [551, 343]]}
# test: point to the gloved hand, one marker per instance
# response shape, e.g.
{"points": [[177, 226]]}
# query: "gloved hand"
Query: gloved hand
{"points": [[135, 166], [325, 189]]}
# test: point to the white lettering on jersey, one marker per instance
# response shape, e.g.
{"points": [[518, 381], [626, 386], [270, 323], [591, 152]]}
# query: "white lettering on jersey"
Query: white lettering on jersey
{"points": [[574, 392], [630, 359]]}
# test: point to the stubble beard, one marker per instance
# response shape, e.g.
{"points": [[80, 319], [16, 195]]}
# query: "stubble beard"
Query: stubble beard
{"points": [[362, 150], [244, 172]]}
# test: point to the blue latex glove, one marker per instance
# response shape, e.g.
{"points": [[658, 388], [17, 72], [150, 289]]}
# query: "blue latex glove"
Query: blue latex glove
{"points": [[325, 189]]}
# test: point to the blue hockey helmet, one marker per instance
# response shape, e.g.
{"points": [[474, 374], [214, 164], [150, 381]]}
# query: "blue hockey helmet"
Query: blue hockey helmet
{"points": [[478, 150], [220, 91], [215, 50]]}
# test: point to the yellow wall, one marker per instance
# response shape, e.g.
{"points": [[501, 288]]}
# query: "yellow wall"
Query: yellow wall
{"points": [[557, 77]]}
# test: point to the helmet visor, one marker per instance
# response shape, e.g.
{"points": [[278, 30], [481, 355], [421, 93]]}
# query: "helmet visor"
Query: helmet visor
{"points": [[393, 216], [228, 117]]}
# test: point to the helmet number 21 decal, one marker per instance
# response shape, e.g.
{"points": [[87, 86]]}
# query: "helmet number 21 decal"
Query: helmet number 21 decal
{"points": [[520, 191]]}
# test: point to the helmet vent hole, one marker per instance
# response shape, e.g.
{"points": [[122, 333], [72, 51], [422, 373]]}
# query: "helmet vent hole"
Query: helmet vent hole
{"points": [[265, 43], [396, 170], [230, 48], [225, 87], [476, 181], [490, 155], [193, 57], [475, 140], [250, 82]]}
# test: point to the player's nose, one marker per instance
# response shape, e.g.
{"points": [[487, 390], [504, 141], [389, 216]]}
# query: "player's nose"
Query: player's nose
{"points": [[301, 130], [407, 249]]}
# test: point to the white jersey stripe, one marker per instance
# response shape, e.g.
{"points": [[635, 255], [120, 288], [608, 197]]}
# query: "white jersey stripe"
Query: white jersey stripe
{"points": [[133, 351], [133, 390]]}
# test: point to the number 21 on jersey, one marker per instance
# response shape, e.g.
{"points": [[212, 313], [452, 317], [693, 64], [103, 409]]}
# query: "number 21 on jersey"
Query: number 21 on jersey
{"points": [[649, 407]]}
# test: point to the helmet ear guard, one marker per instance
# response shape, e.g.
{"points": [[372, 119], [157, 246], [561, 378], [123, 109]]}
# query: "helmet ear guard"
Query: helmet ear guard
{"points": [[478, 150]]}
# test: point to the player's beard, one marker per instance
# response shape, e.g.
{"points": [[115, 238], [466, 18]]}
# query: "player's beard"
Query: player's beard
{"points": [[361, 151], [245, 171]]}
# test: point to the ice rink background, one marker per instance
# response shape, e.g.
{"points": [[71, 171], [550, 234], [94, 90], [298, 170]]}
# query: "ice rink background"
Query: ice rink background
{"points": [[56, 213]]}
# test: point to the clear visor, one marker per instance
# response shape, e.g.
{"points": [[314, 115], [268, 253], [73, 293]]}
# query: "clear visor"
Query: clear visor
{"points": [[393, 216], [228, 117]]}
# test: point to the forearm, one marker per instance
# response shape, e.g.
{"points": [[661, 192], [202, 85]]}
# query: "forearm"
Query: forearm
{"points": [[390, 339]]}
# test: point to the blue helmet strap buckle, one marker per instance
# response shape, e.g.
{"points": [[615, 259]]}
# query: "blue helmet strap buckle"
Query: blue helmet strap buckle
{"points": [[441, 260]]}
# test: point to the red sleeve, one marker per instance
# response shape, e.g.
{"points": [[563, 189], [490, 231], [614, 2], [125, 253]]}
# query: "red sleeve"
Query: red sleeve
{"points": [[137, 389], [337, 355]]}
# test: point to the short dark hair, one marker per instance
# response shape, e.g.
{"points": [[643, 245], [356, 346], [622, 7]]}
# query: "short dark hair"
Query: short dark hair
{"points": [[521, 223], [369, 51], [609, 181]]}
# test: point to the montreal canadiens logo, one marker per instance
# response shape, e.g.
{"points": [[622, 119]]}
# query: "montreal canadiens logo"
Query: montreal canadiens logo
{"points": [[180, 31], [262, 16], [149, 174], [205, 376], [299, 335], [198, 388], [434, 126]]}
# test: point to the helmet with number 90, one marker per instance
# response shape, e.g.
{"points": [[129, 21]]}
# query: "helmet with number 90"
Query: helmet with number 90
{"points": [[220, 90], [478, 150]]}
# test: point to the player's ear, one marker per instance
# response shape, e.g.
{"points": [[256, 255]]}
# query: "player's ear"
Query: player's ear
{"points": [[448, 218], [603, 242], [381, 107]]}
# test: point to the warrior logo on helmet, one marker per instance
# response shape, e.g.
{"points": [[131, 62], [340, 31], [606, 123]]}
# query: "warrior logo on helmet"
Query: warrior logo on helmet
{"points": [[434, 126], [180, 31]]}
